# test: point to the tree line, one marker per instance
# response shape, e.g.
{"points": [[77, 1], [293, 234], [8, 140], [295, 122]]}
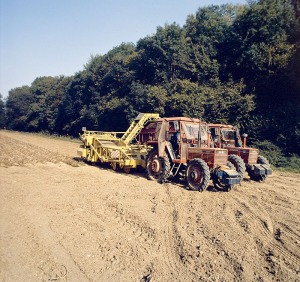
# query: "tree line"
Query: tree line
{"points": [[236, 64]]}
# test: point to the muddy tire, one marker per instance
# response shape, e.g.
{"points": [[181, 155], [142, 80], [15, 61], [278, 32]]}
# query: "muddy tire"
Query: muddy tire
{"points": [[166, 171], [230, 165], [221, 187], [260, 178], [197, 175], [238, 163], [157, 168], [262, 160], [115, 166]]}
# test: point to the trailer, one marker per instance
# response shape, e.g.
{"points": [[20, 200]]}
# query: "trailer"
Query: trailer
{"points": [[119, 149]]}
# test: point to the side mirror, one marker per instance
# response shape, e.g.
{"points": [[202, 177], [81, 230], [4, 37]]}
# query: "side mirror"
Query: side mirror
{"points": [[83, 129]]}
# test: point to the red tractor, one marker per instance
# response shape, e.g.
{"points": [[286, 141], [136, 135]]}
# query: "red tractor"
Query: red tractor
{"points": [[181, 148], [242, 157]]}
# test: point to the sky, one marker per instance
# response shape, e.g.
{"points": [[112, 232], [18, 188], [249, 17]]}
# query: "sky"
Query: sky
{"points": [[58, 37]]}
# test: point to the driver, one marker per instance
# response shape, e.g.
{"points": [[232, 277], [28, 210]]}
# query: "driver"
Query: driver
{"points": [[175, 139]]}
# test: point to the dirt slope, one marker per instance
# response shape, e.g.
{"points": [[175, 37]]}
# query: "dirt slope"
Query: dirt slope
{"points": [[62, 220]]}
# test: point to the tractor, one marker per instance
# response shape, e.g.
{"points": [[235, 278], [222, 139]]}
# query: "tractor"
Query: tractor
{"points": [[242, 157], [181, 148]]}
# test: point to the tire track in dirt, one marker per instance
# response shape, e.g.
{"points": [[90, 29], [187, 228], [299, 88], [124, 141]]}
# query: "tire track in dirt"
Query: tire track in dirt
{"points": [[258, 222], [65, 266], [265, 228], [130, 223], [157, 241], [285, 239], [173, 252], [50, 260], [291, 233], [211, 241], [134, 240]]}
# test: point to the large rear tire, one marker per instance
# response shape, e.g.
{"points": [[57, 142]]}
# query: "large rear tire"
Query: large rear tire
{"points": [[197, 175], [166, 172], [239, 164]]}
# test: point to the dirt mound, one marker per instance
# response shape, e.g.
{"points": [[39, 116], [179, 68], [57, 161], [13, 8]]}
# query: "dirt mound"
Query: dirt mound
{"points": [[86, 223]]}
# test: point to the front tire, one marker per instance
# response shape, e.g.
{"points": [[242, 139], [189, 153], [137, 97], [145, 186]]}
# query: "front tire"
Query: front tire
{"points": [[221, 187], [260, 178], [158, 168], [238, 164], [262, 160], [197, 175]]}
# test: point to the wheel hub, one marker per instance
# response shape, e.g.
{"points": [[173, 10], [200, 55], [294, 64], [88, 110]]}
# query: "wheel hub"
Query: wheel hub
{"points": [[155, 165], [195, 175]]}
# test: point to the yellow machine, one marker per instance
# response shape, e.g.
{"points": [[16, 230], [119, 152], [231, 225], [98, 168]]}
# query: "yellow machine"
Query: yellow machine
{"points": [[123, 152]]}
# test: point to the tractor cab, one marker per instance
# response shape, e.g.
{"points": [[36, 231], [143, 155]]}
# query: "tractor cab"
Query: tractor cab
{"points": [[243, 157], [225, 136]]}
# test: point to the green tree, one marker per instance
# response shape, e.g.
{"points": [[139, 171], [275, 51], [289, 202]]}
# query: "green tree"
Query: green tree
{"points": [[18, 104], [48, 94], [185, 99], [75, 104], [2, 113], [145, 98], [264, 44], [260, 48], [205, 32], [228, 103], [164, 56]]}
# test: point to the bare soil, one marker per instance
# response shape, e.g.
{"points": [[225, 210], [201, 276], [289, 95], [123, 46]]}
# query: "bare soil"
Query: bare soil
{"points": [[64, 220]]}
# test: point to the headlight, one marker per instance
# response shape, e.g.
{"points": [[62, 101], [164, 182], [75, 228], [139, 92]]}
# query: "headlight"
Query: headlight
{"points": [[221, 152]]}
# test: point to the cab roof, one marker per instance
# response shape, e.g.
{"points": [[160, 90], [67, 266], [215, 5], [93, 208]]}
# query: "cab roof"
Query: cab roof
{"points": [[195, 120], [220, 125]]}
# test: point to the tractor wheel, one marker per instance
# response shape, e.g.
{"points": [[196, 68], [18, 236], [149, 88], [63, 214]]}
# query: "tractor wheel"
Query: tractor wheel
{"points": [[157, 168], [258, 178], [166, 169], [126, 169], [219, 186], [262, 160], [230, 165], [115, 166], [238, 163], [197, 175]]}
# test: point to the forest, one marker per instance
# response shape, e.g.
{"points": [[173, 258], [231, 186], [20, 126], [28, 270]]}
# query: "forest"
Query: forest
{"points": [[234, 64]]}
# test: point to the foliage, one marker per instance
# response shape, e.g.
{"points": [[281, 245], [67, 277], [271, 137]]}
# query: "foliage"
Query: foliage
{"points": [[237, 64], [277, 157], [2, 113], [18, 103]]}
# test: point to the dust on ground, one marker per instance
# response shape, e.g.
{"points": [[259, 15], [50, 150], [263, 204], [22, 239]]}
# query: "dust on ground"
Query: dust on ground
{"points": [[64, 220]]}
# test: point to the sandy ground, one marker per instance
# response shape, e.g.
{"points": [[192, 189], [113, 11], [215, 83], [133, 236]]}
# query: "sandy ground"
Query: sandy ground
{"points": [[64, 220]]}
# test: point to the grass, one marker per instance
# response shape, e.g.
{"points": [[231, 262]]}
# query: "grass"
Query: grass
{"points": [[279, 160]]}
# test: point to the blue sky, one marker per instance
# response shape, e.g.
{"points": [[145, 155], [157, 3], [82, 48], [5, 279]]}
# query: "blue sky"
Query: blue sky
{"points": [[58, 37]]}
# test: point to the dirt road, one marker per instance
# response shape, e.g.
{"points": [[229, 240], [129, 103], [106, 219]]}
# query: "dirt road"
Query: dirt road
{"points": [[63, 220]]}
